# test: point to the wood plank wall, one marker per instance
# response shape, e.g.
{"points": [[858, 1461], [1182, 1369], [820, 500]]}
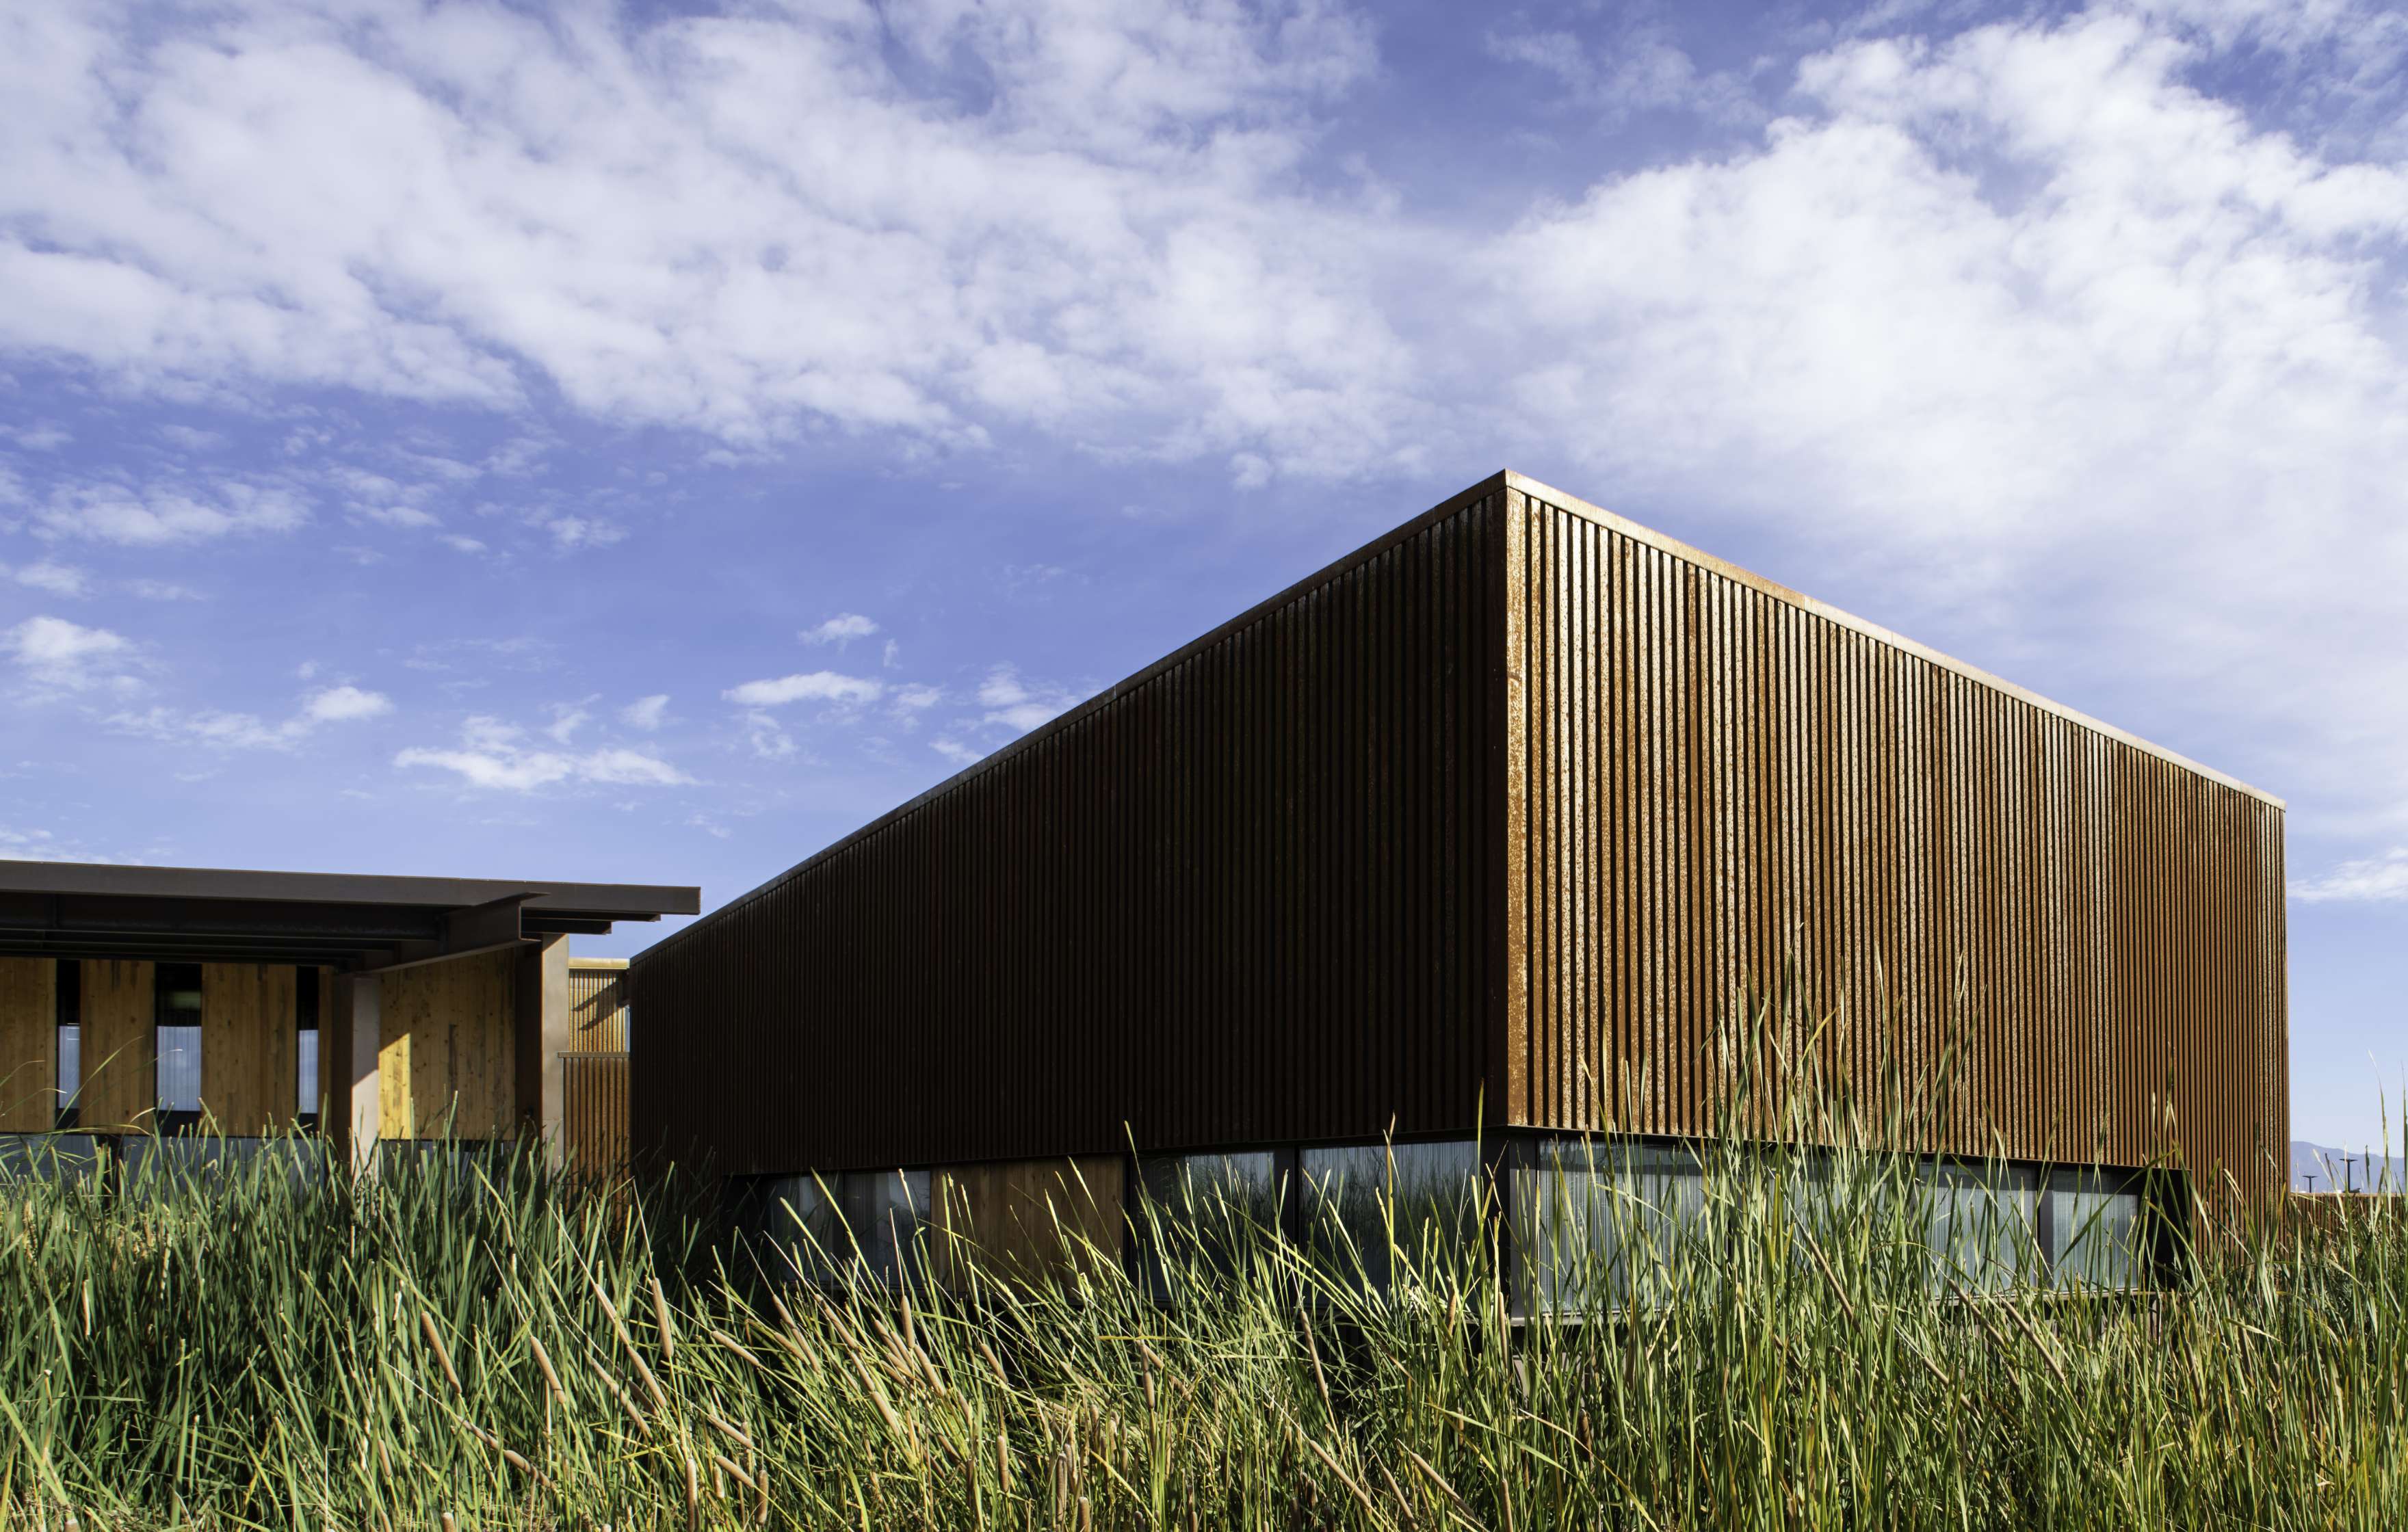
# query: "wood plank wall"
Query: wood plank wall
{"points": [[248, 1045], [446, 1037], [598, 1007], [1240, 897], [1714, 790], [120, 1071], [29, 1035]]}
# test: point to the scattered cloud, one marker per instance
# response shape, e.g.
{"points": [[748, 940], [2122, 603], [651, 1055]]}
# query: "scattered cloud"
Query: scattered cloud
{"points": [[646, 713], [161, 590], [1117, 240], [839, 630], [2374, 879], [814, 686], [247, 731], [57, 579], [1016, 705], [1623, 70], [345, 704], [494, 755], [572, 532], [956, 752], [163, 515], [58, 655], [192, 439], [566, 719]]}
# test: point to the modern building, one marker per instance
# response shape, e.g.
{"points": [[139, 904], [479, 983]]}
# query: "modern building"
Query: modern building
{"points": [[1494, 834], [139, 999]]}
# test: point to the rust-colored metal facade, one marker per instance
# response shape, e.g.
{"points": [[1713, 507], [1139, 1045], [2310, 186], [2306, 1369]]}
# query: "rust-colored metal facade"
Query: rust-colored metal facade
{"points": [[1715, 787], [1498, 816]]}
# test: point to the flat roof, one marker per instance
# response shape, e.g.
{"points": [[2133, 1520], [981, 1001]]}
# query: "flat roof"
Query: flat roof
{"points": [[343, 920]]}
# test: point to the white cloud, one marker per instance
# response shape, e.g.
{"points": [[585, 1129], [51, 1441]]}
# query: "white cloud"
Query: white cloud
{"points": [[569, 532], [1013, 704], [161, 515], [345, 704], [956, 752], [744, 224], [814, 686], [2378, 879], [55, 653], [248, 731], [2019, 320], [839, 630], [491, 755], [161, 590], [916, 698], [57, 579], [566, 719], [646, 713]]}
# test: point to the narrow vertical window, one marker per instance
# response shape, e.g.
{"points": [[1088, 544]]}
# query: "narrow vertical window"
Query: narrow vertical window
{"points": [[179, 1038], [70, 1024], [305, 1055]]}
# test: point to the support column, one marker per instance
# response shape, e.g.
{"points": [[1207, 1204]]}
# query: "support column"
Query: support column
{"points": [[349, 1065], [542, 1033]]}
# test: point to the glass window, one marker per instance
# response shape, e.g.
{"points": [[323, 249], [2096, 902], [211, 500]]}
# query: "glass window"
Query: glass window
{"points": [[177, 1038], [1368, 1207], [69, 992], [1207, 1209], [1983, 1223], [1598, 1224], [883, 1210], [794, 1227], [305, 1052], [2093, 1231]]}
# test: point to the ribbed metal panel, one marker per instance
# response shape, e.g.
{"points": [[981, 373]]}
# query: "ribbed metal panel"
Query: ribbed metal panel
{"points": [[1508, 806], [593, 1119], [1716, 787], [1243, 897]]}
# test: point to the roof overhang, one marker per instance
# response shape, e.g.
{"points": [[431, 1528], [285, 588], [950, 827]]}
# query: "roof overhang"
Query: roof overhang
{"points": [[339, 919]]}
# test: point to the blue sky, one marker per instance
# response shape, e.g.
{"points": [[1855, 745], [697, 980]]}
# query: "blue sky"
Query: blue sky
{"points": [[647, 443]]}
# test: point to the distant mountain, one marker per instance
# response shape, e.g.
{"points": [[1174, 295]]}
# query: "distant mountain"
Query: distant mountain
{"points": [[2337, 1169]]}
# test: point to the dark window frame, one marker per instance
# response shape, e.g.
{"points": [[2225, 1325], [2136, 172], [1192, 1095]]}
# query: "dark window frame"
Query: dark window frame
{"points": [[163, 983], [67, 1015]]}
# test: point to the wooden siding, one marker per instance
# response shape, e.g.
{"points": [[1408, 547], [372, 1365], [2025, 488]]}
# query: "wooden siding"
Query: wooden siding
{"points": [[445, 1040], [248, 1063], [1031, 1217], [120, 1072], [1240, 897], [1715, 788], [598, 1005], [594, 1125], [29, 1038]]}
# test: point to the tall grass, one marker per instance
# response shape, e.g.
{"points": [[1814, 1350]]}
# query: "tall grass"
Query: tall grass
{"points": [[247, 1345], [462, 1340]]}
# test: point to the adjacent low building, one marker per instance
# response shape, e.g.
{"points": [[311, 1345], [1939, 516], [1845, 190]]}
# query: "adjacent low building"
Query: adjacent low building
{"points": [[138, 1000], [1492, 835]]}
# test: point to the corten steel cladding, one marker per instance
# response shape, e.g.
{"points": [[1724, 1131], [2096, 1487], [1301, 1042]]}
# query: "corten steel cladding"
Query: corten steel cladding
{"points": [[1714, 783], [1512, 803]]}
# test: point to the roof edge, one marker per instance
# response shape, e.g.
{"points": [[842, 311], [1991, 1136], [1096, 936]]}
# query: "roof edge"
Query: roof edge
{"points": [[1539, 490]]}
